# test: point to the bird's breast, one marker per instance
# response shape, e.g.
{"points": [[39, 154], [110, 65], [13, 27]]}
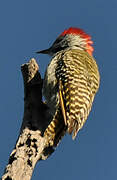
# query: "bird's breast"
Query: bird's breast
{"points": [[50, 87]]}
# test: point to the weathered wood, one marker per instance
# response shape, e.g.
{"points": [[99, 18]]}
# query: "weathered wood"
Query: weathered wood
{"points": [[31, 146]]}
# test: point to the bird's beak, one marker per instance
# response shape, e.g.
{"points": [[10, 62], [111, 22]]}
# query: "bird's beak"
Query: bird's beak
{"points": [[45, 51]]}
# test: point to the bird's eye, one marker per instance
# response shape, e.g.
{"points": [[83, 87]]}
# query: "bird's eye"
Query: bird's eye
{"points": [[58, 40]]}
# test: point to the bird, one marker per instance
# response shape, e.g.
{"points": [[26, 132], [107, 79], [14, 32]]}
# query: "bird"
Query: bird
{"points": [[70, 83]]}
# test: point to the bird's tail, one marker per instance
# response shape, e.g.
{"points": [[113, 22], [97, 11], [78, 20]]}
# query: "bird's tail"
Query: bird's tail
{"points": [[56, 129]]}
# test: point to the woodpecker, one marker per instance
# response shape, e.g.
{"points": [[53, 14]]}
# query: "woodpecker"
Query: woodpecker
{"points": [[70, 83]]}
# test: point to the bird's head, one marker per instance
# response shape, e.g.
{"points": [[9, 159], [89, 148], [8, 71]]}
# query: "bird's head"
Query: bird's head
{"points": [[72, 38]]}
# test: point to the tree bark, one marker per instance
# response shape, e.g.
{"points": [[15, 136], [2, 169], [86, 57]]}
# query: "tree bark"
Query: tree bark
{"points": [[31, 145]]}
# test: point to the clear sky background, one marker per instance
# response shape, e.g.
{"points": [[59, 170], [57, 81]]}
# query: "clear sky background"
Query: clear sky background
{"points": [[30, 25]]}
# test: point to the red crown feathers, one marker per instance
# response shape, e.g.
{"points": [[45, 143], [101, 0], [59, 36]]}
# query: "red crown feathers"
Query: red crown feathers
{"points": [[78, 31]]}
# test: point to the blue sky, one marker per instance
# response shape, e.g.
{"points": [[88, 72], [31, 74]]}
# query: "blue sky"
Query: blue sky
{"points": [[28, 26]]}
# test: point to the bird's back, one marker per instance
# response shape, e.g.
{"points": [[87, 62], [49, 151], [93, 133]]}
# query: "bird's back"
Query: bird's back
{"points": [[79, 76]]}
